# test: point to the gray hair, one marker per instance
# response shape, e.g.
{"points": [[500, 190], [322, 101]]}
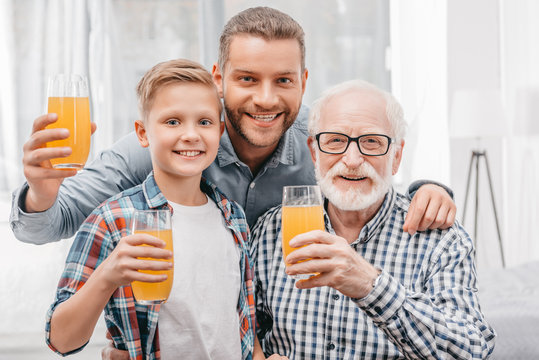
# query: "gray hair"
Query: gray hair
{"points": [[394, 112]]}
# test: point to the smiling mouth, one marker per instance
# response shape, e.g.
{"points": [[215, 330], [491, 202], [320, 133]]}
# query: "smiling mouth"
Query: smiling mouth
{"points": [[188, 153], [264, 118], [353, 179]]}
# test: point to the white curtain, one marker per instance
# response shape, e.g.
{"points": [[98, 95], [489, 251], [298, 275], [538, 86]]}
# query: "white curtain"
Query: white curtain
{"points": [[419, 80], [8, 128], [520, 82]]}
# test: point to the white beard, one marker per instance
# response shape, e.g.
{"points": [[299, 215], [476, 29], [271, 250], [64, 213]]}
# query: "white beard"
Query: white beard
{"points": [[353, 199]]}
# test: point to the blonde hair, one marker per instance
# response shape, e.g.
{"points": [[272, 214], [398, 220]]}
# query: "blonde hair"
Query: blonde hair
{"points": [[264, 22], [394, 112], [169, 72]]}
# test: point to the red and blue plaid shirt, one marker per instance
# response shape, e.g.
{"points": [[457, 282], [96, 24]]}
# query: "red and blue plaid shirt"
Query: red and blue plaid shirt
{"points": [[134, 327]]}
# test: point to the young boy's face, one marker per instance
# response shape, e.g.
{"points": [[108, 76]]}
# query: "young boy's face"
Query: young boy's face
{"points": [[182, 129]]}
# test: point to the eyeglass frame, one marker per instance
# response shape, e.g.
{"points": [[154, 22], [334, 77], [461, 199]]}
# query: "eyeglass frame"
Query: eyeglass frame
{"points": [[353, 139]]}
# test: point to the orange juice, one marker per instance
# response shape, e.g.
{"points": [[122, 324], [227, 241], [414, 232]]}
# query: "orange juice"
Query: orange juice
{"points": [[298, 220], [145, 291], [74, 115]]}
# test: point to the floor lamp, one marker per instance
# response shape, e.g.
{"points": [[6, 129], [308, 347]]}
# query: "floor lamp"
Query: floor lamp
{"points": [[478, 113]]}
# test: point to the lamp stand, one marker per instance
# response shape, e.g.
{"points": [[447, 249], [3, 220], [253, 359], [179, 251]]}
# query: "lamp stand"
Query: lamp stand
{"points": [[476, 157]]}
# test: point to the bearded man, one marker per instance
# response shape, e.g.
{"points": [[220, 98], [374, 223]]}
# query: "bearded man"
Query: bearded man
{"points": [[380, 292]]}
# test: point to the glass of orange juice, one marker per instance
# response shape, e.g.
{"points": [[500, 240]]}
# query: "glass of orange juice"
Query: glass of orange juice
{"points": [[301, 212], [155, 223], [68, 98]]}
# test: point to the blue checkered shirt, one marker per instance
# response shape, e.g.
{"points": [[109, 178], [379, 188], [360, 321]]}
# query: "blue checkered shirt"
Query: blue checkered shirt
{"points": [[134, 327], [424, 305]]}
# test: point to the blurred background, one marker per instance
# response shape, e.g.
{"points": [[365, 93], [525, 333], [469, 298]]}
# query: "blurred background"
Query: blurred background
{"points": [[465, 72]]}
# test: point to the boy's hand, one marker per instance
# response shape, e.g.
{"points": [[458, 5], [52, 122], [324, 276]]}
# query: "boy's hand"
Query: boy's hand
{"points": [[431, 208], [44, 181], [121, 266], [111, 353]]}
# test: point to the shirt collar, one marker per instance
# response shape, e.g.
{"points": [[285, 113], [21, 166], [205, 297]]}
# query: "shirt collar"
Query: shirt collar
{"points": [[155, 198], [153, 195], [375, 224], [284, 153]]}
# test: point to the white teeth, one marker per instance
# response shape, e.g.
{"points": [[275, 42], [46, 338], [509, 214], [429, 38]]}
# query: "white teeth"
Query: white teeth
{"points": [[353, 177], [265, 118], [188, 153]]}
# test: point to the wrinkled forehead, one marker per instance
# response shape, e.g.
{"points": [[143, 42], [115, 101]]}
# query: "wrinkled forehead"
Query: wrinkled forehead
{"points": [[358, 109]]}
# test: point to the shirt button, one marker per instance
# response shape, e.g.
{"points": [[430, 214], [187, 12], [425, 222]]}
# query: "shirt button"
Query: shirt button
{"points": [[331, 346], [336, 297], [403, 341], [252, 185]]}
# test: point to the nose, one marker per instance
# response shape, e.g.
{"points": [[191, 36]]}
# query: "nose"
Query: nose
{"points": [[353, 158], [190, 133], [265, 95]]}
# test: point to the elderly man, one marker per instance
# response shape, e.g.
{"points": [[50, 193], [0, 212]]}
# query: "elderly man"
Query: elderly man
{"points": [[380, 292]]}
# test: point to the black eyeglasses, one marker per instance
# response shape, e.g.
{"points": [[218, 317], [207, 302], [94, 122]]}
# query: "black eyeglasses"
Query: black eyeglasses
{"points": [[369, 144]]}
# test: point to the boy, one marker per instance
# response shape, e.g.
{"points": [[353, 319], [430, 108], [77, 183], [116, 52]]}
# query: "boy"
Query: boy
{"points": [[180, 110]]}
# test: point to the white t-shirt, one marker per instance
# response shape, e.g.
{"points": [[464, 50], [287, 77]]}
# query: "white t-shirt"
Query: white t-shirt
{"points": [[200, 319]]}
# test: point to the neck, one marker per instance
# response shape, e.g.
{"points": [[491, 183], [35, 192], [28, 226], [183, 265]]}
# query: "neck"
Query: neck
{"points": [[181, 190], [252, 156], [348, 224]]}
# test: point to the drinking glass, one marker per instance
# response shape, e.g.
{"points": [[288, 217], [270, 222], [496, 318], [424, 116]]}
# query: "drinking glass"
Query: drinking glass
{"points": [[68, 98], [155, 223], [302, 212]]}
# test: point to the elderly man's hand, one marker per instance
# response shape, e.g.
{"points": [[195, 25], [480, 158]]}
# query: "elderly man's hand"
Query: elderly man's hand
{"points": [[111, 353], [338, 265], [431, 208]]}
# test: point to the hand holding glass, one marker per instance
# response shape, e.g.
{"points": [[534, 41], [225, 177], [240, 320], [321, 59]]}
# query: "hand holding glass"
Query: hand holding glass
{"points": [[155, 223], [302, 212], [68, 98]]}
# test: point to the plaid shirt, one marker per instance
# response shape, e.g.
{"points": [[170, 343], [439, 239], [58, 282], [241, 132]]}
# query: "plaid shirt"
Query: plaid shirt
{"points": [[424, 305], [134, 327]]}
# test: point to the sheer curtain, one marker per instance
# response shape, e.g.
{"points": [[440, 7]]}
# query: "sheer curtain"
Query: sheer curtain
{"points": [[419, 80], [520, 82]]}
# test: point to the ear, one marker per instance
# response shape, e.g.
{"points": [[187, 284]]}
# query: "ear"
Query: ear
{"points": [[311, 143], [397, 158], [140, 130], [222, 127], [217, 78], [304, 77]]}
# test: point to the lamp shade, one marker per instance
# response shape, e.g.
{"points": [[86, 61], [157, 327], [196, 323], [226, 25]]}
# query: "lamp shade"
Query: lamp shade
{"points": [[477, 113], [527, 111]]}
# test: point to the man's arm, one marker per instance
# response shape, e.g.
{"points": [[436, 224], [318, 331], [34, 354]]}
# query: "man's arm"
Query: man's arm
{"points": [[124, 165], [432, 207]]}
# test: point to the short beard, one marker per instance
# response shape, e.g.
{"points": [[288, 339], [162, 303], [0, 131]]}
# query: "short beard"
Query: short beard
{"points": [[353, 199], [234, 119]]}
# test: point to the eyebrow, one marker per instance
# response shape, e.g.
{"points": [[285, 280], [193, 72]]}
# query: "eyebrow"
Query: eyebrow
{"points": [[245, 71]]}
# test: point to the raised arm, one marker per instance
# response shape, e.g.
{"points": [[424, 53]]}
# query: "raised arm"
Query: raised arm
{"points": [[48, 208]]}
